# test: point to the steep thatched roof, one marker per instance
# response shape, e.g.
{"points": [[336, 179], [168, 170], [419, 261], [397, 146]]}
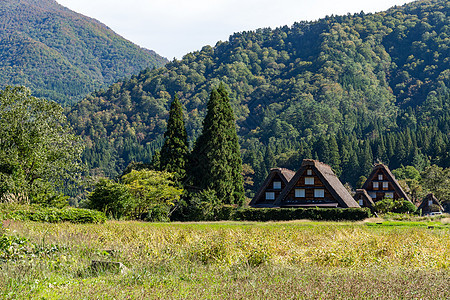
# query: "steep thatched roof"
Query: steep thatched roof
{"points": [[328, 178], [391, 178], [288, 174], [285, 175], [363, 194], [427, 198]]}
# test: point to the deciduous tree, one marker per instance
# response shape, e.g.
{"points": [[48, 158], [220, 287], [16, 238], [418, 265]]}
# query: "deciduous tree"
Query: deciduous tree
{"points": [[150, 188], [37, 149]]}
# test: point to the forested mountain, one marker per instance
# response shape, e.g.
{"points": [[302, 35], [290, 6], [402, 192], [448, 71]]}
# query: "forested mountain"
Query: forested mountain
{"points": [[348, 90], [62, 55]]}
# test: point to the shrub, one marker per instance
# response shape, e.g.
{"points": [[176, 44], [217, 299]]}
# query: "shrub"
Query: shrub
{"points": [[401, 205], [49, 214], [225, 213], [158, 213], [198, 206], [286, 214], [405, 206], [231, 213], [109, 197]]}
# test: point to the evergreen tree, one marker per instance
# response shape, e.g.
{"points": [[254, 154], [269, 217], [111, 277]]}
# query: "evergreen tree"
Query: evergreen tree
{"points": [[155, 164], [174, 152], [234, 148], [351, 169], [269, 159], [334, 157], [323, 150], [400, 153], [366, 159], [215, 162]]}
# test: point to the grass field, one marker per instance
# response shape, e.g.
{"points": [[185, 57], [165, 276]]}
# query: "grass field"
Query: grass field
{"points": [[230, 260]]}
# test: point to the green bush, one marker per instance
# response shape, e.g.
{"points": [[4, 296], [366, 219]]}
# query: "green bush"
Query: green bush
{"points": [[388, 205], [110, 197], [286, 214], [225, 213], [231, 213], [50, 214], [198, 206], [157, 213]]}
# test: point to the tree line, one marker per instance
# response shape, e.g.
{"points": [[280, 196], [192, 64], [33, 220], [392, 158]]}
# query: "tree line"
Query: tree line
{"points": [[377, 85], [40, 163], [197, 183]]}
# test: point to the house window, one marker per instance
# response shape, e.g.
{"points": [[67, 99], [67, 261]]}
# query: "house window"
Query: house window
{"points": [[375, 185], [309, 172], [270, 196], [373, 195], [309, 180], [380, 177], [430, 202], [319, 193], [299, 193], [277, 185], [361, 202], [389, 195], [385, 185]]}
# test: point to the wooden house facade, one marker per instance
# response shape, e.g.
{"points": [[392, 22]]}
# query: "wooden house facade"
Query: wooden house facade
{"points": [[315, 185], [381, 184], [272, 187], [363, 199], [430, 204]]}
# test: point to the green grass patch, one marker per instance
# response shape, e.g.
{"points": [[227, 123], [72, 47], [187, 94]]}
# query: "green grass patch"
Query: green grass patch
{"points": [[411, 224]]}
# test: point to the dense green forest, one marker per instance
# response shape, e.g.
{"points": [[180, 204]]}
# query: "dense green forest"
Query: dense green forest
{"points": [[348, 90], [62, 55]]}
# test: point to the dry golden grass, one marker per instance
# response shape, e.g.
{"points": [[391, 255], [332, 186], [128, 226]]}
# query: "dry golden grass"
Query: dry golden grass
{"points": [[230, 260]]}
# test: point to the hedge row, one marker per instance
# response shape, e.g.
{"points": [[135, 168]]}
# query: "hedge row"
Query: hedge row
{"points": [[50, 214], [286, 214]]}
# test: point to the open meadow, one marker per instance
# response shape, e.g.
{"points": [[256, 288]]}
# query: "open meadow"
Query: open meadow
{"points": [[226, 260]]}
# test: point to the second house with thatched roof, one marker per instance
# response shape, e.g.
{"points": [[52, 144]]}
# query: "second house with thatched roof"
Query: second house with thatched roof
{"points": [[363, 199], [381, 184], [313, 185], [430, 205], [272, 187]]}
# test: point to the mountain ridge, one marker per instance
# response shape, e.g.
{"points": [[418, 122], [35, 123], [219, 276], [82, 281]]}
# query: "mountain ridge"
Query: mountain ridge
{"points": [[38, 35]]}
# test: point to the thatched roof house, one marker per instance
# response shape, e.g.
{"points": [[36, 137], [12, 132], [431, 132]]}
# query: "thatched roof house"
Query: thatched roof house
{"points": [[315, 185], [363, 199], [381, 184], [430, 204], [275, 182]]}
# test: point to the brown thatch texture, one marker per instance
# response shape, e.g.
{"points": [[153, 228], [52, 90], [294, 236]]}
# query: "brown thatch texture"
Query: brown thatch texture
{"points": [[398, 189], [362, 194], [424, 206], [285, 175], [328, 178]]}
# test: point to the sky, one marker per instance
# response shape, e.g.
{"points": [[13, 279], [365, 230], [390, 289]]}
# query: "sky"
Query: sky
{"points": [[174, 28]]}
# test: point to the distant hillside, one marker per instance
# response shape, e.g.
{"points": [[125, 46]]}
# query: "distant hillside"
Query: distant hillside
{"points": [[62, 55], [348, 90]]}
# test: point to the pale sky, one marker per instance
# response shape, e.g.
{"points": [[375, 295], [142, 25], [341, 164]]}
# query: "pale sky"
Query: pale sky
{"points": [[174, 28]]}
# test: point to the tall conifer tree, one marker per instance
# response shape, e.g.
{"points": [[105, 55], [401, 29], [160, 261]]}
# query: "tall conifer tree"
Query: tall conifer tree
{"points": [[173, 155], [215, 160], [334, 158], [234, 148]]}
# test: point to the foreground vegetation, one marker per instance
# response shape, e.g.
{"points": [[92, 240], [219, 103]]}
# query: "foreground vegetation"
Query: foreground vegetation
{"points": [[229, 260], [40, 213]]}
